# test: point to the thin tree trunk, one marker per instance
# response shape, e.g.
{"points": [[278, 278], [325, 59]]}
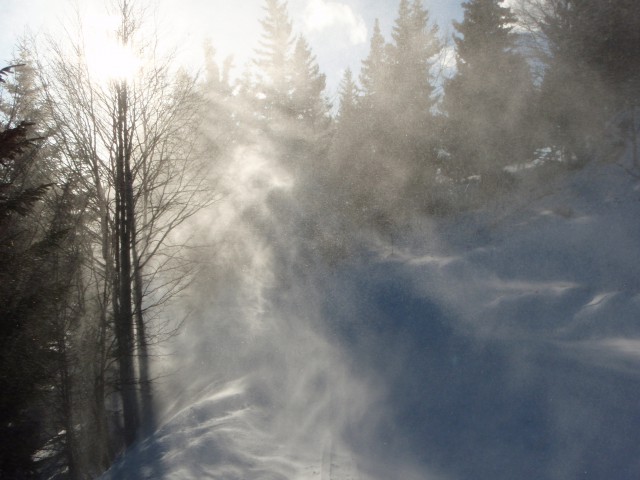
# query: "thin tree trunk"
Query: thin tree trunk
{"points": [[102, 452], [146, 393], [70, 446], [124, 314], [634, 137], [146, 413]]}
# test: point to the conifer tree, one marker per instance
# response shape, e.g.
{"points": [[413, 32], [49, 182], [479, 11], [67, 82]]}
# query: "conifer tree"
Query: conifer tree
{"points": [[373, 74], [592, 53], [273, 60], [568, 81], [220, 113], [388, 147], [410, 56], [38, 265], [348, 130], [487, 100], [348, 97], [288, 85], [307, 102]]}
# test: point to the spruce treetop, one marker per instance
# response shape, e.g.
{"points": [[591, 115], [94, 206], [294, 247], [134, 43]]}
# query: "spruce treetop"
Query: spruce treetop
{"points": [[486, 27]]}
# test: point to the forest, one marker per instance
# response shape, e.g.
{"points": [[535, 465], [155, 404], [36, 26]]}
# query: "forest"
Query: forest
{"points": [[104, 180]]}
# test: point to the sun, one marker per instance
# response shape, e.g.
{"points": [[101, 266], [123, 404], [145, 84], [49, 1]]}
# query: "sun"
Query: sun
{"points": [[107, 58]]}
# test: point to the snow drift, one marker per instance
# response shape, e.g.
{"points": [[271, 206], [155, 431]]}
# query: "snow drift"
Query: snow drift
{"points": [[502, 343]]}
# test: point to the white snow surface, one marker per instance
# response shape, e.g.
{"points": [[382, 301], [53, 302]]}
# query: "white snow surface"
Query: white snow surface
{"points": [[264, 389]]}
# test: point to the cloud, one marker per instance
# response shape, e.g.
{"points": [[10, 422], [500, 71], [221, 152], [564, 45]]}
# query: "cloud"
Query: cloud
{"points": [[323, 15]]}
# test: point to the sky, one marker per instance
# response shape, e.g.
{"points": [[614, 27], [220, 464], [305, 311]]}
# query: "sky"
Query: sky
{"points": [[338, 30]]}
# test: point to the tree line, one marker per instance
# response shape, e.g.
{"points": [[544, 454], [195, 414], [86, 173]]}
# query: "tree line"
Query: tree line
{"points": [[98, 178]]}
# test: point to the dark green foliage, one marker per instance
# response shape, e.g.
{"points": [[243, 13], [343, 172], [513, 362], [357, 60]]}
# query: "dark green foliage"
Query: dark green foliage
{"points": [[593, 71], [14, 142], [488, 101], [602, 36], [413, 124], [395, 152], [6, 71], [22, 202], [411, 56], [39, 265], [34, 282], [387, 134]]}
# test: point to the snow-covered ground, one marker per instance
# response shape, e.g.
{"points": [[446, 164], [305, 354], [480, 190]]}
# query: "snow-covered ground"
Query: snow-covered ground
{"points": [[499, 344]]}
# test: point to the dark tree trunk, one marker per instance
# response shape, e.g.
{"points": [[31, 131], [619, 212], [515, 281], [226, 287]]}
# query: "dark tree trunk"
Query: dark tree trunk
{"points": [[146, 394], [124, 311]]}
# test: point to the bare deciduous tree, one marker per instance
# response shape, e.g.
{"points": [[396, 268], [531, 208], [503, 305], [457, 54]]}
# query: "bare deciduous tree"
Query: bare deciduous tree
{"points": [[131, 143]]}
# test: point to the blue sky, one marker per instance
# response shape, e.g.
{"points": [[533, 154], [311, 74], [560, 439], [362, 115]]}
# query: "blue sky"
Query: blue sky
{"points": [[338, 30]]}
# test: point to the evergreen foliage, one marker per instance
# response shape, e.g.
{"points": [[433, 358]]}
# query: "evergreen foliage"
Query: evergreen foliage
{"points": [[287, 87], [348, 98], [411, 57], [374, 70], [273, 59], [39, 263], [387, 132], [488, 100], [593, 53], [308, 84], [93, 180]]}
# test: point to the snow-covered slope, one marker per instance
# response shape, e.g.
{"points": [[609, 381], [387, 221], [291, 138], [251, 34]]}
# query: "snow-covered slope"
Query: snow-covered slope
{"points": [[495, 345]]}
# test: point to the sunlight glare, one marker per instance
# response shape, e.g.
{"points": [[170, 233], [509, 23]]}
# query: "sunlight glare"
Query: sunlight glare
{"points": [[107, 59]]}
